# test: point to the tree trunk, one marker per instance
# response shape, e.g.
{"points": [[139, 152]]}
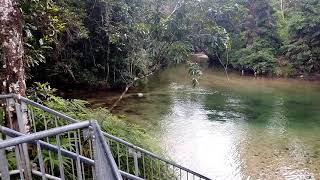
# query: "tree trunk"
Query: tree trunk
{"points": [[225, 66], [12, 48], [282, 8], [108, 60], [12, 70]]}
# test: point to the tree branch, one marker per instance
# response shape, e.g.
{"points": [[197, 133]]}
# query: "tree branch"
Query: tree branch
{"points": [[225, 67], [115, 104]]}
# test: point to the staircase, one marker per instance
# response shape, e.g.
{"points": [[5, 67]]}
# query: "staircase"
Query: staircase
{"points": [[58, 147]]}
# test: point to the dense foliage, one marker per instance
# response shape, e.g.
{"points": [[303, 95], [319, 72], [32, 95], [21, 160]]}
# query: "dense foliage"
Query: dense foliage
{"points": [[102, 42], [304, 35], [110, 43], [278, 37]]}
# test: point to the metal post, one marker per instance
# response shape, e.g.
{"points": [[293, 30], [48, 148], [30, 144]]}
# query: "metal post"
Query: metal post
{"points": [[105, 165], [19, 162], [22, 128], [78, 164], [136, 166], [60, 159], [4, 170], [41, 163], [9, 108]]}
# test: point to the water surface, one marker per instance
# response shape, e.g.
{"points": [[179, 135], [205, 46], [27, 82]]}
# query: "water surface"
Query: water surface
{"points": [[243, 128]]}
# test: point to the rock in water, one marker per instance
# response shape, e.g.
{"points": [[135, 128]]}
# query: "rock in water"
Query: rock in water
{"points": [[140, 95]]}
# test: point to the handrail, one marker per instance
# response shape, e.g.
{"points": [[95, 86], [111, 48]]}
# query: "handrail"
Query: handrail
{"points": [[4, 96], [13, 133], [153, 155], [44, 108], [42, 134], [48, 176]]}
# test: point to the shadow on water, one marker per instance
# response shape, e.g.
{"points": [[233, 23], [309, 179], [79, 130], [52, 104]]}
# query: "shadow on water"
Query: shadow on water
{"points": [[247, 127]]}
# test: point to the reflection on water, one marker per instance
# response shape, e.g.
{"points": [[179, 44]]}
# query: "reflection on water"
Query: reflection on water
{"points": [[201, 144], [245, 128], [277, 123]]}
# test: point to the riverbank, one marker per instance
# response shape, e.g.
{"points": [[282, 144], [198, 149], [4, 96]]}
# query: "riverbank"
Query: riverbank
{"points": [[110, 96], [203, 60]]}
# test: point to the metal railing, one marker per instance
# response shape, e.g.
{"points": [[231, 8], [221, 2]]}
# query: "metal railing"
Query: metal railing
{"points": [[130, 161], [71, 165]]}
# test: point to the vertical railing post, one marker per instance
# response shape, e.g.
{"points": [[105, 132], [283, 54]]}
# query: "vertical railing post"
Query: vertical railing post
{"points": [[78, 164], [21, 122], [19, 163], [135, 162], [9, 108], [4, 170], [105, 166], [22, 125], [136, 166], [24, 117], [92, 151]]}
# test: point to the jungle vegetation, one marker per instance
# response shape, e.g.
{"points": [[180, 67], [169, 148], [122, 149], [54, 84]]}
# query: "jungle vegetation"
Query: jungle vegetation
{"points": [[109, 43]]}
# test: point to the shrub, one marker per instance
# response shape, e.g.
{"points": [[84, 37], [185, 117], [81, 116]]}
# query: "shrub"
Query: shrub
{"points": [[259, 62]]}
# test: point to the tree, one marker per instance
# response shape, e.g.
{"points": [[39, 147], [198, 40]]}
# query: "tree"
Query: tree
{"points": [[304, 29], [12, 48], [12, 55], [259, 32]]}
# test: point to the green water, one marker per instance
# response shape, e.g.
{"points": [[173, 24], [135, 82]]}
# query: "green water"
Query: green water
{"points": [[237, 129]]}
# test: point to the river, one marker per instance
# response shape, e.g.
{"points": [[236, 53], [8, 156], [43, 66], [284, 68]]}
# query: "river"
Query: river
{"points": [[245, 128]]}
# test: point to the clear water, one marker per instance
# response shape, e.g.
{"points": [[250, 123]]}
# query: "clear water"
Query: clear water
{"points": [[238, 129]]}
